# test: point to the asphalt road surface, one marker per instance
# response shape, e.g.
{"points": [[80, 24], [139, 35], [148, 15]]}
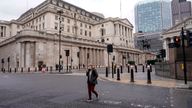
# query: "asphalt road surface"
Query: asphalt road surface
{"points": [[67, 91]]}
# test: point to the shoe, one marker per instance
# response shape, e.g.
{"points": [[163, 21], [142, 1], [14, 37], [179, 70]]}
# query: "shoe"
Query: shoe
{"points": [[89, 100], [97, 97]]}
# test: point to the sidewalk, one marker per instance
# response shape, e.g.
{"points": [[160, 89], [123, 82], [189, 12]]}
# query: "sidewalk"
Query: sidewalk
{"points": [[140, 78]]}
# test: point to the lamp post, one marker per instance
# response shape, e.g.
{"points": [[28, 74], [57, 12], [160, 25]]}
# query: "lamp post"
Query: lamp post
{"points": [[60, 12]]}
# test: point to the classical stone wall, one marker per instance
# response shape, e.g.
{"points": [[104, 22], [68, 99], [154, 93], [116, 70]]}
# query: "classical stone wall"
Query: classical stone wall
{"points": [[11, 51]]}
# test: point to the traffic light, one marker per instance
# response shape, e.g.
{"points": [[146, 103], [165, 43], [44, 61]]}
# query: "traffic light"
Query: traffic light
{"points": [[163, 53], [67, 52], [109, 48], [177, 41], [190, 39]]}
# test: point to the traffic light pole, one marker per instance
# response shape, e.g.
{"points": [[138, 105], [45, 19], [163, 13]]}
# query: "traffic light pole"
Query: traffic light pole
{"points": [[184, 56]]}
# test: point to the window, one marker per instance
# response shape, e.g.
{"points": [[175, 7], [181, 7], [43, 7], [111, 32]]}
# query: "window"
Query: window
{"points": [[89, 34], [62, 19], [85, 25], [68, 28], [56, 17], [68, 20], [102, 32], [81, 31], [107, 39], [85, 33], [43, 17], [18, 27], [36, 20], [39, 26], [81, 25], [102, 25], [39, 18], [73, 29], [56, 26], [43, 25], [89, 27]]}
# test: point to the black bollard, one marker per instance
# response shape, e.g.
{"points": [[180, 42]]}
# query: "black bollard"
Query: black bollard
{"points": [[118, 74], [132, 75], [15, 70], [106, 72], [28, 69], [151, 68], [47, 68], [136, 68], [35, 69], [51, 68], [112, 70], [21, 69], [128, 69], [115, 69], [148, 75], [143, 68], [10, 70], [121, 69]]}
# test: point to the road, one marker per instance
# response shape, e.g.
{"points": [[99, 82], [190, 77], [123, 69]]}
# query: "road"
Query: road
{"points": [[68, 91]]}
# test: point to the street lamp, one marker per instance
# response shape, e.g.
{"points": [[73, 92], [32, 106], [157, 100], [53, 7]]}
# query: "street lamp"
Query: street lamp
{"points": [[60, 12]]}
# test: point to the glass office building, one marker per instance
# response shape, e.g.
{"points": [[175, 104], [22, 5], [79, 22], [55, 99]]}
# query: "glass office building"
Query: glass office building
{"points": [[153, 15]]}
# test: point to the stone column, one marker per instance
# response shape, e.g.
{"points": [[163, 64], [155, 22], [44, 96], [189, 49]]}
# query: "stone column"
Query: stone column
{"points": [[166, 47], [94, 57], [22, 56], [80, 59], [85, 56], [117, 29], [97, 57], [90, 56], [102, 58]]}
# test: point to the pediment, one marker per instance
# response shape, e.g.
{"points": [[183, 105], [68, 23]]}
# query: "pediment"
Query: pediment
{"points": [[126, 21], [186, 24]]}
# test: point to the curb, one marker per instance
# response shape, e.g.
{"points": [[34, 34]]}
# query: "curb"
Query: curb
{"points": [[144, 84]]}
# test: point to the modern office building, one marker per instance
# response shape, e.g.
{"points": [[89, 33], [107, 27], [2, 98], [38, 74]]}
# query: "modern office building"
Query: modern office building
{"points": [[181, 10], [151, 18], [152, 15], [33, 39]]}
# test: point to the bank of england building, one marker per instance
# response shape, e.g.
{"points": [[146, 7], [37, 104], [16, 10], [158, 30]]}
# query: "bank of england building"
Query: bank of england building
{"points": [[33, 39]]}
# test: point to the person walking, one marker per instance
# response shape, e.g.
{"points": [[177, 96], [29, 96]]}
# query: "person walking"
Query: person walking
{"points": [[92, 76]]}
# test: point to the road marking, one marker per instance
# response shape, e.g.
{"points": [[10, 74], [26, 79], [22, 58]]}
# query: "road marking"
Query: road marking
{"points": [[111, 102]]}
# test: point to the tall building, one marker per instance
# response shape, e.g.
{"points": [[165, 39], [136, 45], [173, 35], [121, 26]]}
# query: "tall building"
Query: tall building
{"points": [[152, 15], [33, 39], [181, 10]]}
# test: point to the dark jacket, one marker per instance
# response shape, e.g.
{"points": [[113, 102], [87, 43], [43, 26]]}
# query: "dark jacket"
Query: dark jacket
{"points": [[94, 75]]}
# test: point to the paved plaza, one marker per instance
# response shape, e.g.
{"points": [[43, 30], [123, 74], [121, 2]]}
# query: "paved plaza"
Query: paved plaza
{"points": [[56, 90]]}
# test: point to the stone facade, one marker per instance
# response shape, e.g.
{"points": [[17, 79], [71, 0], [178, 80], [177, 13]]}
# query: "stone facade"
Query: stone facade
{"points": [[33, 39], [174, 56]]}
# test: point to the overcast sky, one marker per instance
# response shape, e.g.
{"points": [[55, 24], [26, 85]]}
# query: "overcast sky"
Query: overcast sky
{"points": [[12, 9]]}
